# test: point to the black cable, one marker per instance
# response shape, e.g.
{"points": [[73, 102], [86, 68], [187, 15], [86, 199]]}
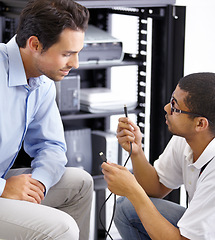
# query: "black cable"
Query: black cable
{"points": [[128, 155], [114, 205], [106, 232]]}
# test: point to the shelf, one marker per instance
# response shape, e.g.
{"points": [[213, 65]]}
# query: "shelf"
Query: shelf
{"points": [[125, 3], [104, 3], [128, 60], [105, 65], [87, 115], [14, 7]]}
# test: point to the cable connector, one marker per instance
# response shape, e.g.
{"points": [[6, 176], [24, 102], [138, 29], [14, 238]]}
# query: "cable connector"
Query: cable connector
{"points": [[103, 157], [125, 111]]}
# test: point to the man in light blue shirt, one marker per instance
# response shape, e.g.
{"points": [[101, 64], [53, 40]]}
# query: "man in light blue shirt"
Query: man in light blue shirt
{"points": [[49, 37]]}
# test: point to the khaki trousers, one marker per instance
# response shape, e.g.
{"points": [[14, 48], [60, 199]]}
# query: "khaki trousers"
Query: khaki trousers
{"points": [[63, 213]]}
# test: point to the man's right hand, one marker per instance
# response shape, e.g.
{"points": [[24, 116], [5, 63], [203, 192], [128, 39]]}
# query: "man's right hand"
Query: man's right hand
{"points": [[128, 132], [23, 187]]}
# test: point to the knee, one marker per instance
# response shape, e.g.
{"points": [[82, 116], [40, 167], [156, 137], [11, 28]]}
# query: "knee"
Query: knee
{"points": [[120, 206], [78, 175], [56, 224], [81, 180], [71, 232], [87, 180], [68, 229]]}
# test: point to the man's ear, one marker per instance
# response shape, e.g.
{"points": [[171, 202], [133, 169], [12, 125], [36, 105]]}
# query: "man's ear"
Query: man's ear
{"points": [[34, 44], [201, 124]]}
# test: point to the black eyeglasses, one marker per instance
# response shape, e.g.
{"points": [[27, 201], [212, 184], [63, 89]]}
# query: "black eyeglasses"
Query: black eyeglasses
{"points": [[175, 110]]}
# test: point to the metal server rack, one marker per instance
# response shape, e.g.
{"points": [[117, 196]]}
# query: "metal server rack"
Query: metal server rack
{"points": [[167, 68], [168, 33]]}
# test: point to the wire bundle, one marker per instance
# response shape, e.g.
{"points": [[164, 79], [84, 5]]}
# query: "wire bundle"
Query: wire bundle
{"points": [[107, 231], [114, 206]]}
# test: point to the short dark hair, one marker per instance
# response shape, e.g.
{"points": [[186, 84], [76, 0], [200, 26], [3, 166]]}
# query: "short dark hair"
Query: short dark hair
{"points": [[201, 95], [46, 19]]}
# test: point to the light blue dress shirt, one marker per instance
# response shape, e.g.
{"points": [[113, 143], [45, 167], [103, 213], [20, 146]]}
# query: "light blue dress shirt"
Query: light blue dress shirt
{"points": [[28, 112]]}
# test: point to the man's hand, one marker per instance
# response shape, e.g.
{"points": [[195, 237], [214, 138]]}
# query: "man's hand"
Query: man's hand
{"points": [[120, 181], [23, 187], [128, 132]]}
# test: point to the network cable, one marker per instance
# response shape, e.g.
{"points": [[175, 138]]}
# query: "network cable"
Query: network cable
{"points": [[107, 231]]}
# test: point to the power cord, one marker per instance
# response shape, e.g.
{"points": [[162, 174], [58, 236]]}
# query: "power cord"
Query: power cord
{"points": [[107, 231]]}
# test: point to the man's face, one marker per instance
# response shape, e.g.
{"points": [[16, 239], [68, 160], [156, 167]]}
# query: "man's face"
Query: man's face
{"points": [[61, 57], [178, 123]]}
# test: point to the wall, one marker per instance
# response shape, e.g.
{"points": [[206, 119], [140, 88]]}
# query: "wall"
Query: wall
{"points": [[200, 35]]}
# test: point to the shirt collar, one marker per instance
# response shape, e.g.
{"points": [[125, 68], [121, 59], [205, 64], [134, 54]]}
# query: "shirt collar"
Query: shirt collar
{"points": [[205, 157], [17, 74], [188, 152]]}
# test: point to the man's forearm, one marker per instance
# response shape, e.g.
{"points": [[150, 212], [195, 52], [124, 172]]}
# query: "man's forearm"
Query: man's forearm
{"points": [[147, 177]]}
